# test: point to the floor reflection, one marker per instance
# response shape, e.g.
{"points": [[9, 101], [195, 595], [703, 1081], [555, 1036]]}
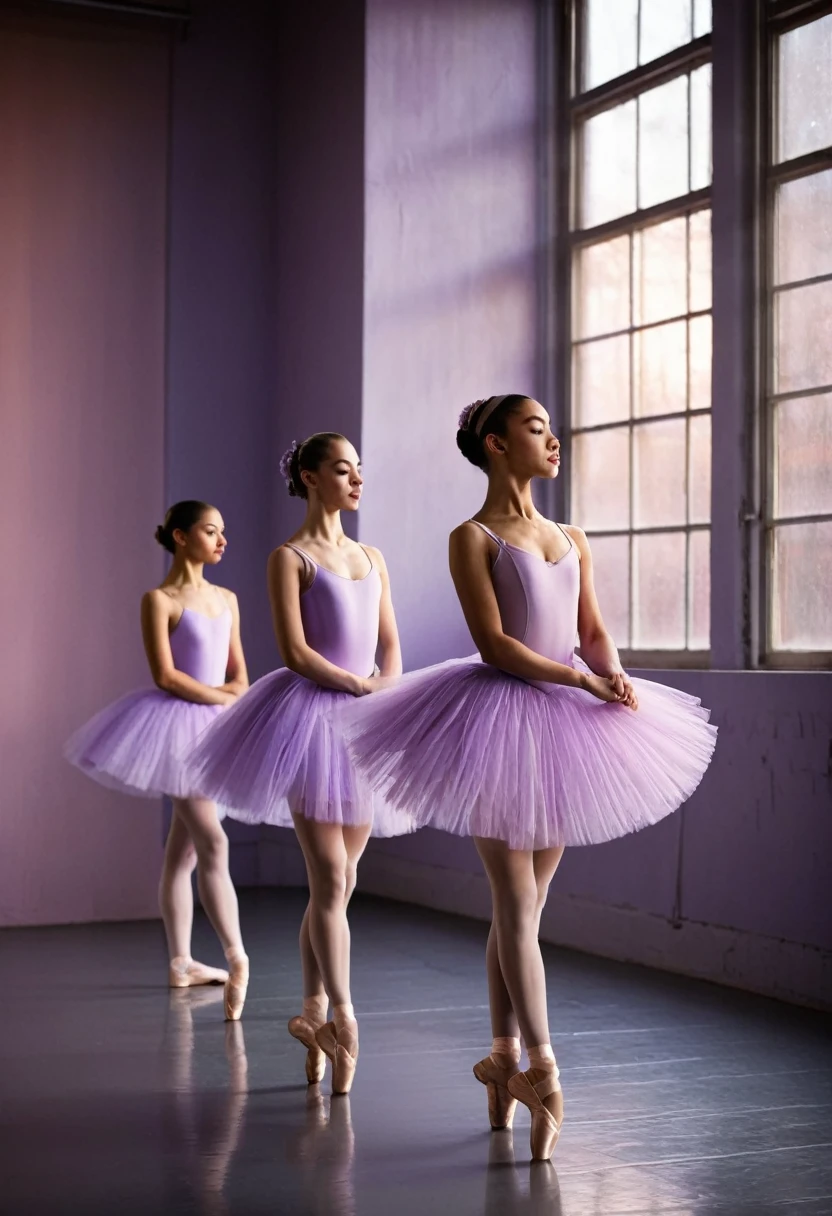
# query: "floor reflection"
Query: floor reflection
{"points": [[528, 1189], [324, 1151], [206, 1126]]}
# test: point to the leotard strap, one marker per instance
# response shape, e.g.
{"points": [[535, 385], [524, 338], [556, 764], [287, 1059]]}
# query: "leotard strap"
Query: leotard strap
{"points": [[497, 539], [310, 566]]}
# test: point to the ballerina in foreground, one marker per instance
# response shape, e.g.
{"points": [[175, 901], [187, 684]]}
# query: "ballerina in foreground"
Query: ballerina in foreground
{"points": [[528, 748], [191, 632], [278, 758]]}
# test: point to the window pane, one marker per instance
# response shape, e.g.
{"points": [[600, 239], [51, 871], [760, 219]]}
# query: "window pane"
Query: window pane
{"points": [[611, 29], [609, 165], [804, 228], [802, 578], [665, 24], [663, 143], [659, 474], [611, 571], [803, 349], [699, 591], [660, 370], [702, 18], [699, 470], [659, 591], [803, 458], [700, 363], [701, 260], [805, 101], [601, 390], [602, 288], [601, 479], [701, 167], [660, 272]]}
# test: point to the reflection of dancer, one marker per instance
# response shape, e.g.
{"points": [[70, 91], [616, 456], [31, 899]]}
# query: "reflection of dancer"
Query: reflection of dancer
{"points": [[191, 632], [325, 1149], [532, 749], [276, 757], [505, 1191], [215, 1139]]}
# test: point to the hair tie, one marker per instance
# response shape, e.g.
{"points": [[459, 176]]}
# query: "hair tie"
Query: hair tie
{"points": [[285, 465]]}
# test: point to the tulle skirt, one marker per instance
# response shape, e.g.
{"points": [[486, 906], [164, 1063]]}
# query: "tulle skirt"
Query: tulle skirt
{"points": [[277, 751], [468, 749], [139, 743]]}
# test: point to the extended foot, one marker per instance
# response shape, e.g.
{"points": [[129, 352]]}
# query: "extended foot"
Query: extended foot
{"points": [[494, 1072], [302, 1029], [236, 985], [341, 1049], [540, 1090], [186, 972]]}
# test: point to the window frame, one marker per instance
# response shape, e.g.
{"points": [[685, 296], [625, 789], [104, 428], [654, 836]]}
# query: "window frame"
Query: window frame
{"points": [[572, 109], [779, 17]]}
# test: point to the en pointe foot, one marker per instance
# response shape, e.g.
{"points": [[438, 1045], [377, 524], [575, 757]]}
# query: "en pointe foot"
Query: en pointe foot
{"points": [[303, 1030], [341, 1049], [495, 1076], [540, 1090], [236, 985]]}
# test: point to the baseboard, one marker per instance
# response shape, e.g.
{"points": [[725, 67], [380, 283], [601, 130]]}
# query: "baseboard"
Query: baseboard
{"points": [[787, 971]]}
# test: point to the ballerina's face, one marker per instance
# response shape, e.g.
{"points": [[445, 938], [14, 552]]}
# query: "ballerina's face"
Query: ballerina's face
{"points": [[203, 542], [529, 447], [337, 481]]}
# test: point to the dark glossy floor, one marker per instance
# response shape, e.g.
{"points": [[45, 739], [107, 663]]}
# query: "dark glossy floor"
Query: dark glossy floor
{"points": [[117, 1096]]}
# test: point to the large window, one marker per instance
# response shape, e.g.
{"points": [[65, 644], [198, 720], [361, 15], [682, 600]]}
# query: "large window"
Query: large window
{"points": [[639, 420], [797, 426]]}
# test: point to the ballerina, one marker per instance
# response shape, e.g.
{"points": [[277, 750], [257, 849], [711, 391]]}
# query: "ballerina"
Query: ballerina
{"points": [[277, 756], [528, 748], [191, 633]]}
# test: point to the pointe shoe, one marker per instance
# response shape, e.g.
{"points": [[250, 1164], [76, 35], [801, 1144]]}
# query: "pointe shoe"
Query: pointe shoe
{"points": [[501, 1105], [341, 1049], [188, 973], [301, 1028], [545, 1125], [236, 986]]}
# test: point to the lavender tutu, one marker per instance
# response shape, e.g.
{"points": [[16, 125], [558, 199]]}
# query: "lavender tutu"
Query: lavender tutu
{"points": [[138, 743], [469, 749], [277, 750]]}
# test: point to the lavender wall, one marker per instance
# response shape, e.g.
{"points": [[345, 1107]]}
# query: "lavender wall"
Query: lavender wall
{"points": [[83, 148], [450, 304]]}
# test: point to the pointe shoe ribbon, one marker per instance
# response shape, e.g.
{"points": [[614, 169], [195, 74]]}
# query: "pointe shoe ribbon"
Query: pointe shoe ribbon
{"points": [[501, 1105], [188, 973], [301, 1028], [234, 994], [341, 1049], [545, 1126]]}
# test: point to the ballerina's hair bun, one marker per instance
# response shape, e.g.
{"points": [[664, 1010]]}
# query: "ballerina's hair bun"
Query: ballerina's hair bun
{"points": [[307, 456], [180, 517], [488, 416]]}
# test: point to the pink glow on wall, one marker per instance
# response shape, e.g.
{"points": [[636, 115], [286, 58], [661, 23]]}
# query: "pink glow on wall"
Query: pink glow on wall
{"points": [[83, 144]]}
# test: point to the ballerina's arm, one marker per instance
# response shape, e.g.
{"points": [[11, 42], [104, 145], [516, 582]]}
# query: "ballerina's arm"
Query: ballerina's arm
{"points": [[285, 572], [236, 674], [157, 611], [389, 648], [597, 648]]}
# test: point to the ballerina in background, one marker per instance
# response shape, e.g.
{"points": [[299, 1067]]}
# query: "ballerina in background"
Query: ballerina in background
{"points": [[277, 757], [191, 632], [529, 748]]}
